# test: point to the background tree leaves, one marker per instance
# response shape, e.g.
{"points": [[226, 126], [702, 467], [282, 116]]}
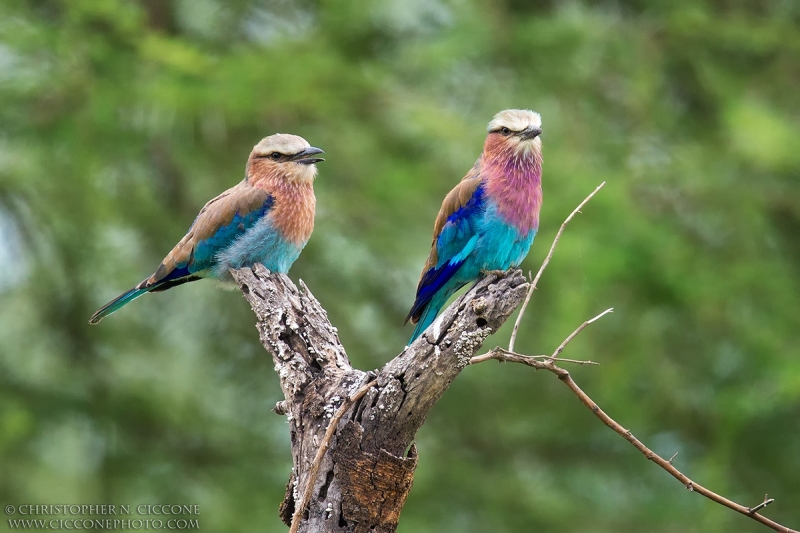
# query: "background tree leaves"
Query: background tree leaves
{"points": [[119, 119]]}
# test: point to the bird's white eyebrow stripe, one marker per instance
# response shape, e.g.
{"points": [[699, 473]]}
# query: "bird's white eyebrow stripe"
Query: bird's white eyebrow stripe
{"points": [[283, 143], [515, 120]]}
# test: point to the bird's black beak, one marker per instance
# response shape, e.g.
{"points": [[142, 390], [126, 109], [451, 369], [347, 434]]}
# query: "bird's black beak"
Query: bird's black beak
{"points": [[303, 159], [530, 133]]}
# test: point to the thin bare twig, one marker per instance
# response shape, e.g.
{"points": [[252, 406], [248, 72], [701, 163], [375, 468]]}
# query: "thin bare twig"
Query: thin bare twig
{"points": [[323, 447], [564, 376], [563, 360], [539, 361], [502, 355], [578, 330], [544, 265], [761, 505], [548, 363], [674, 455]]}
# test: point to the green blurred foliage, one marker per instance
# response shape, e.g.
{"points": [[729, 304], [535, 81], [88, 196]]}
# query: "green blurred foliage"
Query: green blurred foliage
{"points": [[119, 119]]}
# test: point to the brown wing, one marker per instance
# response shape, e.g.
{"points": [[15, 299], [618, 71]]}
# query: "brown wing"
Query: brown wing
{"points": [[455, 200], [212, 230]]}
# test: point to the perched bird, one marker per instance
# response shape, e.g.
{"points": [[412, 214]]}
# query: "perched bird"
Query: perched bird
{"points": [[267, 219], [488, 221]]}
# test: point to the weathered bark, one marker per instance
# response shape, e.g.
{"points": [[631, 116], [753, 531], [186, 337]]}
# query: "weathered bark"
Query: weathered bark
{"points": [[366, 474]]}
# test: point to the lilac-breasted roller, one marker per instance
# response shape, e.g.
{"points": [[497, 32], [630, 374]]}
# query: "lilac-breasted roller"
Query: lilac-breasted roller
{"points": [[267, 218], [488, 221]]}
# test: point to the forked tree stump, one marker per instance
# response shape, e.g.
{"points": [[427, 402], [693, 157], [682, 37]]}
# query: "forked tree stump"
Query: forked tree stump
{"points": [[366, 474]]}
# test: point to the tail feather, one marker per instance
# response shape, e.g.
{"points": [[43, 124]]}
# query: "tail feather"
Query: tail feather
{"points": [[428, 315], [118, 302], [173, 279]]}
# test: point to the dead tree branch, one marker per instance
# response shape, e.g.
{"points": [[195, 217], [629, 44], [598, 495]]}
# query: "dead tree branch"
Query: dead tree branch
{"points": [[323, 447], [548, 364], [352, 431]]}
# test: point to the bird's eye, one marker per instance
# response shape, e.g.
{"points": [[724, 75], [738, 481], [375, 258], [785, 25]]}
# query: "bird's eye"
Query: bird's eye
{"points": [[505, 131], [275, 155]]}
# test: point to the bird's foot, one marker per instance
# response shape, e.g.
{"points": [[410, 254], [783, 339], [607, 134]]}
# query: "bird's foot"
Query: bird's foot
{"points": [[500, 274]]}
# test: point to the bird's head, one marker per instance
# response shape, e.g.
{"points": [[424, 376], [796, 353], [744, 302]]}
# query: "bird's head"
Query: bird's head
{"points": [[514, 132], [287, 156]]}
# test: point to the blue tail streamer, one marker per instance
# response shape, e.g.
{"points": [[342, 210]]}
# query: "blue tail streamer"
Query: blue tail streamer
{"points": [[117, 303]]}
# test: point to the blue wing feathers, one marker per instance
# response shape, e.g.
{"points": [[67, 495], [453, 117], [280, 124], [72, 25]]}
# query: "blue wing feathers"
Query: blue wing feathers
{"points": [[453, 245], [471, 208], [205, 251], [436, 278], [202, 257], [433, 281]]}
